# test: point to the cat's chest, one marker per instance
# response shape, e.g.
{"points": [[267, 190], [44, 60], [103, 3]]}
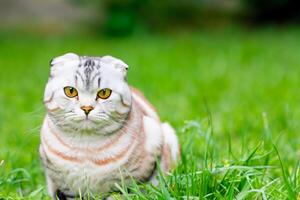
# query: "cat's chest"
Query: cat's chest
{"points": [[91, 167], [85, 176], [87, 171]]}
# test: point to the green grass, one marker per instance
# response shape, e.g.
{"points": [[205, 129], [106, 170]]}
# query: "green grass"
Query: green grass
{"points": [[233, 97]]}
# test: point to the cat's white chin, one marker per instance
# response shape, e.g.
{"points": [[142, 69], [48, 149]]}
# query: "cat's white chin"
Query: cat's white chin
{"points": [[87, 125]]}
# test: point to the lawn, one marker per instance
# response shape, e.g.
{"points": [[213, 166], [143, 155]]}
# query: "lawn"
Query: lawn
{"points": [[233, 97]]}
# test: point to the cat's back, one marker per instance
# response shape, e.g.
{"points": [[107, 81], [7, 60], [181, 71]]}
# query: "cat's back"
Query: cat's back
{"points": [[143, 104]]}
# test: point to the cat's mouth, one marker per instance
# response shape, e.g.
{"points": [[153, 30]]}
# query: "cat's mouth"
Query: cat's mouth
{"points": [[84, 121], [89, 122]]}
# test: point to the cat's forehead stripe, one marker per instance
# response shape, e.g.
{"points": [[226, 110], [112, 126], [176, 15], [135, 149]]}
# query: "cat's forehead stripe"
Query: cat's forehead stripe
{"points": [[87, 61], [88, 70]]}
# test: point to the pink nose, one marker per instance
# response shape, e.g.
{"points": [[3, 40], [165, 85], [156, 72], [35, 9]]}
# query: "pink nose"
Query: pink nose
{"points": [[87, 109]]}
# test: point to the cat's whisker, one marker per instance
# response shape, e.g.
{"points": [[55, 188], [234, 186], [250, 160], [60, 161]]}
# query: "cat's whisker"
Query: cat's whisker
{"points": [[38, 110], [33, 130]]}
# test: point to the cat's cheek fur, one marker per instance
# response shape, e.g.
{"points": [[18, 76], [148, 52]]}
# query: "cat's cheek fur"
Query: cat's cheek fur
{"points": [[55, 99], [121, 109], [114, 105]]}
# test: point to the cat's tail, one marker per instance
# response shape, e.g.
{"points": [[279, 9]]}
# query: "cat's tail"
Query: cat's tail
{"points": [[171, 148]]}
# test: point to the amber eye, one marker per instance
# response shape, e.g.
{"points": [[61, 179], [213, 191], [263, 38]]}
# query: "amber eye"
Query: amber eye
{"points": [[70, 92], [104, 93]]}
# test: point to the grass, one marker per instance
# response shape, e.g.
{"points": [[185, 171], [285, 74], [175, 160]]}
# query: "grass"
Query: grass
{"points": [[233, 97]]}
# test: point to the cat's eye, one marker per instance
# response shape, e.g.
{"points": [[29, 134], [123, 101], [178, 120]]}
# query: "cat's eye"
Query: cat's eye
{"points": [[70, 92], [104, 93]]}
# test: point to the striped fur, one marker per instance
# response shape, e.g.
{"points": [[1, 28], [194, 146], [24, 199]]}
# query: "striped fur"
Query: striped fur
{"points": [[78, 163]]}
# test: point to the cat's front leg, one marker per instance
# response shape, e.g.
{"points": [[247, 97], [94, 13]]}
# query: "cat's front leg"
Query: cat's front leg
{"points": [[57, 194], [52, 188], [54, 192]]}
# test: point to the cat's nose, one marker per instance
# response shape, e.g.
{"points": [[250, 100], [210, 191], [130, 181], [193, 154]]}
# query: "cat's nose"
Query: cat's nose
{"points": [[87, 109]]}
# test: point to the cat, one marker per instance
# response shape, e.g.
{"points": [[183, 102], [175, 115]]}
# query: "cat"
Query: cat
{"points": [[99, 131]]}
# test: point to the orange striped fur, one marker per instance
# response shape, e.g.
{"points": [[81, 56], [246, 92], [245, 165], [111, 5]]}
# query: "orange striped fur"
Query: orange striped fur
{"points": [[91, 150], [140, 94]]}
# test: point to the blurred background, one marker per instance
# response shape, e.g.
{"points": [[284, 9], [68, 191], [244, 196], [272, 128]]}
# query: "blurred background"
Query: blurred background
{"points": [[225, 73], [126, 17]]}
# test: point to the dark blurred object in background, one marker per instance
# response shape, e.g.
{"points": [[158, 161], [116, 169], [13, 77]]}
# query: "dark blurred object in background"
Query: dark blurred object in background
{"points": [[273, 11]]}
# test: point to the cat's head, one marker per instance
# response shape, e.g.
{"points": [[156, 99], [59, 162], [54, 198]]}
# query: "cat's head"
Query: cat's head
{"points": [[88, 94]]}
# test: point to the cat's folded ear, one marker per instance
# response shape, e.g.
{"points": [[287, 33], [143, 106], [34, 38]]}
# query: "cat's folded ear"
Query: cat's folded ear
{"points": [[63, 59], [118, 64], [63, 63]]}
